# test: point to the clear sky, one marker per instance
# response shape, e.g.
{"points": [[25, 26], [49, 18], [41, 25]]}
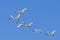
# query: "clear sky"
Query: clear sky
{"points": [[45, 14]]}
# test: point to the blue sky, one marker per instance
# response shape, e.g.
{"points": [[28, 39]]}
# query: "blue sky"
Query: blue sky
{"points": [[44, 13]]}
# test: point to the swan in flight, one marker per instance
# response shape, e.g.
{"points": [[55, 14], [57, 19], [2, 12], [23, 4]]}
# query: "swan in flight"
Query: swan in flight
{"points": [[51, 33], [19, 14]]}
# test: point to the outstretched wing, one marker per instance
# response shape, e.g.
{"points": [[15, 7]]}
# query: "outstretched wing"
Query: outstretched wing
{"points": [[19, 25], [23, 10], [12, 17], [53, 32], [30, 23], [17, 17]]}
